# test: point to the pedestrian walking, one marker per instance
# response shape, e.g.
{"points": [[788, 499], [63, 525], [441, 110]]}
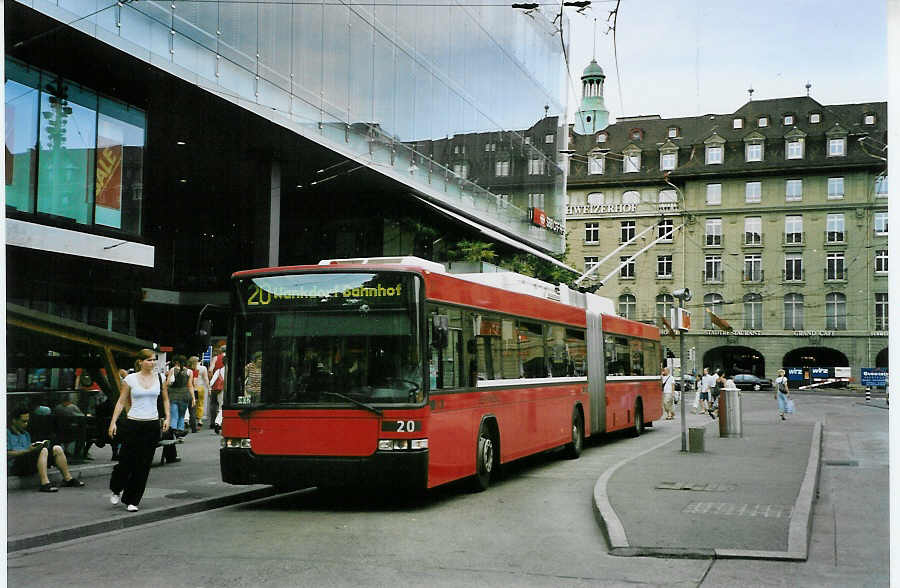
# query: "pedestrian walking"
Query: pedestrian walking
{"points": [[716, 391], [181, 394], [217, 388], [668, 394], [201, 387], [707, 381], [140, 433], [782, 394]]}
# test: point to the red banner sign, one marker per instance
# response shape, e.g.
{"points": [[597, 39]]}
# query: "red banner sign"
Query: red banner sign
{"points": [[109, 176]]}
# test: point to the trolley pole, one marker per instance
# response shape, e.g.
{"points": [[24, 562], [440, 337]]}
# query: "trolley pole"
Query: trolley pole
{"points": [[683, 295]]}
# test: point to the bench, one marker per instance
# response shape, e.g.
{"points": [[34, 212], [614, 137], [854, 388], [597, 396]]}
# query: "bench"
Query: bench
{"points": [[59, 429]]}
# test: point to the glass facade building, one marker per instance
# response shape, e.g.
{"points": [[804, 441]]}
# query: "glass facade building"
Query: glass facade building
{"points": [[413, 90], [71, 153]]}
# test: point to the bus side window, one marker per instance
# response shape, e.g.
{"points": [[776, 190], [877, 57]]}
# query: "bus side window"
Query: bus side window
{"points": [[486, 331], [531, 349], [453, 363], [577, 351], [651, 358], [618, 357], [637, 357], [558, 353], [511, 362]]}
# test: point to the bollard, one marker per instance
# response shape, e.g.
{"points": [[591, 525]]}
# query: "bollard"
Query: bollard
{"points": [[695, 439], [868, 393]]}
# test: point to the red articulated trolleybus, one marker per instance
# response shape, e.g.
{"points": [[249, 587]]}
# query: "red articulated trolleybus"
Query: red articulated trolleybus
{"points": [[393, 371]]}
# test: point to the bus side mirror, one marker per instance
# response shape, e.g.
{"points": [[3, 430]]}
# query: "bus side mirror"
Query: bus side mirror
{"points": [[440, 330], [200, 340]]}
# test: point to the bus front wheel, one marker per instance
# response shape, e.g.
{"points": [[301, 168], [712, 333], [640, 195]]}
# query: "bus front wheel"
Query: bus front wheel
{"points": [[485, 459]]}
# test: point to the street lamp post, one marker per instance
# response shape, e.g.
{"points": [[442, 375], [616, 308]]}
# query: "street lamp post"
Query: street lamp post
{"points": [[683, 295]]}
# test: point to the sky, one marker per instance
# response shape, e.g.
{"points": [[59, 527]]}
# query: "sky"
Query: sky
{"points": [[690, 57]]}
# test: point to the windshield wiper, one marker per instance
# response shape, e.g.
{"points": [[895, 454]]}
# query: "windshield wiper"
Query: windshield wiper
{"points": [[359, 403]]}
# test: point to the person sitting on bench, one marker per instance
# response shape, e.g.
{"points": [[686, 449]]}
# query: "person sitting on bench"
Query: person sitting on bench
{"points": [[24, 458]]}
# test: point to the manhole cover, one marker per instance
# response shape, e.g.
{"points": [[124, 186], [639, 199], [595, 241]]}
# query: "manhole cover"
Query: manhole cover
{"points": [[696, 486]]}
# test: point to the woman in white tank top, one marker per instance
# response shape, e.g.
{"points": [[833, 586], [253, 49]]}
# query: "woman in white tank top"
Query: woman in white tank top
{"points": [[138, 395]]}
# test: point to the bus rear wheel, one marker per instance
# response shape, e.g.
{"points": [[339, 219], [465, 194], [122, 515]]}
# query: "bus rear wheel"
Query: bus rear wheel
{"points": [[485, 459], [574, 447], [638, 426]]}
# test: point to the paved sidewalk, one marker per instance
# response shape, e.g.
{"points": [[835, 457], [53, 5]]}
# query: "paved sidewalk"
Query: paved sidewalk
{"points": [[746, 497], [192, 485]]}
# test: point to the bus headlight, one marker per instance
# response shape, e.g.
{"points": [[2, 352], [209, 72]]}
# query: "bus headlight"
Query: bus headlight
{"points": [[402, 444], [232, 443]]}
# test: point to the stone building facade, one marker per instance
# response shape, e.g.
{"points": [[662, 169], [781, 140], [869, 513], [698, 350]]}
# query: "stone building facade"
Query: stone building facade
{"points": [[774, 216]]}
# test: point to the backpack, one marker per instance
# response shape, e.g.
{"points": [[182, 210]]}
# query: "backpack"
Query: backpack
{"points": [[181, 378]]}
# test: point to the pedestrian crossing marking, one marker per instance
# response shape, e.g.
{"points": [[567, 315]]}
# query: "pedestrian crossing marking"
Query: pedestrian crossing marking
{"points": [[763, 511]]}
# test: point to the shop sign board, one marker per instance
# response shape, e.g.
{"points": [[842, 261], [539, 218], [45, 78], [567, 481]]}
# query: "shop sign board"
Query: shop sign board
{"points": [[873, 376], [795, 374]]}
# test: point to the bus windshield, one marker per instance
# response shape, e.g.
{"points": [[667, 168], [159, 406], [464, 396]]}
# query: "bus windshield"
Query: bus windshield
{"points": [[327, 339]]}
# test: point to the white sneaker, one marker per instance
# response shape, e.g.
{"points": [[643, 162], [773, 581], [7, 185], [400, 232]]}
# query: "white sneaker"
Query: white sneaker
{"points": [[131, 508], [114, 499]]}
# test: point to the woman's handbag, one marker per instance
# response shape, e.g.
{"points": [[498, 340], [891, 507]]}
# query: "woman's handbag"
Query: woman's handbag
{"points": [[789, 405]]}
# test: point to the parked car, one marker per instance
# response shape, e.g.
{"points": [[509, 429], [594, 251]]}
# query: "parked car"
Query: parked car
{"points": [[751, 382]]}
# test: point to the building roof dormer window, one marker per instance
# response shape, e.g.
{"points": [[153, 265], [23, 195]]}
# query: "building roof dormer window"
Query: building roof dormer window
{"points": [[715, 150], [754, 147], [596, 162], [668, 156], [836, 141], [632, 161], [602, 137], [815, 118], [636, 134], [869, 119], [788, 120], [794, 144], [672, 133], [738, 123], [763, 121]]}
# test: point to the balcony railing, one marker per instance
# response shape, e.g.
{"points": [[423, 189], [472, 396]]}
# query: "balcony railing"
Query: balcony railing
{"points": [[797, 238], [793, 275], [753, 275], [753, 240]]}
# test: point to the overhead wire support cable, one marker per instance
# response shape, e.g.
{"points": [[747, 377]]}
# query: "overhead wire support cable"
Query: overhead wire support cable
{"points": [[666, 237], [588, 273]]}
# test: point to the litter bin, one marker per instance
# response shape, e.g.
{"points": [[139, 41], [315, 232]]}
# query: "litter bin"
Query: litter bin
{"points": [[695, 439], [730, 418]]}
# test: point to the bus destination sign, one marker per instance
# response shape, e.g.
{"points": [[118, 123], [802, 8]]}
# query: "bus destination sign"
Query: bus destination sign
{"points": [[316, 289]]}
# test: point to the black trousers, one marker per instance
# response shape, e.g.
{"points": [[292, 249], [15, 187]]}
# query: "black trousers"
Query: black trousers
{"points": [[129, 476], [213, 407]]}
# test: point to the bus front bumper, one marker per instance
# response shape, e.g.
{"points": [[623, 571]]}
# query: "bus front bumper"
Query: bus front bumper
{"points": [[383, 468]]}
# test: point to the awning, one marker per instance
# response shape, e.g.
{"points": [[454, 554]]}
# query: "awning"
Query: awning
{"points": [[495, 235], [38, 339]]}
